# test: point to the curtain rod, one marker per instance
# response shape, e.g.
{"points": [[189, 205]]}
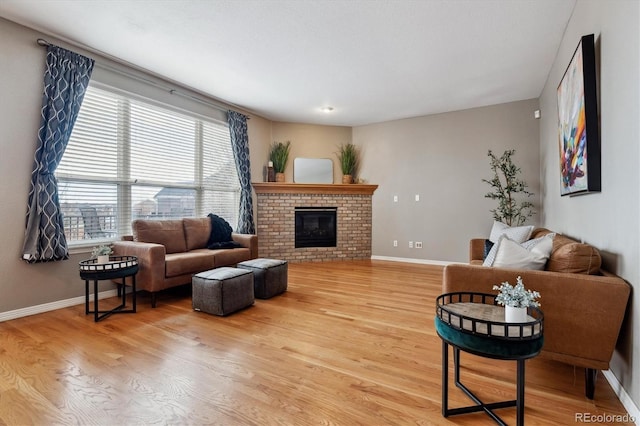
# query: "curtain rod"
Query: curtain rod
{"points": [[171, 91]]}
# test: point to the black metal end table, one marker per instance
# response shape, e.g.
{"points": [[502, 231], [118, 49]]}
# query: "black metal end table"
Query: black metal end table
{"points": [[474, 323], [117, 267]]}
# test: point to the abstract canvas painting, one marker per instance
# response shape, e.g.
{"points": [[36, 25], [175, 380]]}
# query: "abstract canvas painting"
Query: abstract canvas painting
{"points": [[578, 123]]}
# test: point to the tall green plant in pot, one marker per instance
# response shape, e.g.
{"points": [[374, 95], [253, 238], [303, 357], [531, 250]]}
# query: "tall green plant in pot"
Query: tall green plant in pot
{"points": [[506, 187], [348, 157], [279, 155]]}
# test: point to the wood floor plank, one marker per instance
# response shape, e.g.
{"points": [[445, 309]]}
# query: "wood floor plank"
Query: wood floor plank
{"points": [[349, 343]]}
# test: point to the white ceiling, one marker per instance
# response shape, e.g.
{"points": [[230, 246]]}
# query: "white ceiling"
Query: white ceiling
{"points": [[371, 60]]}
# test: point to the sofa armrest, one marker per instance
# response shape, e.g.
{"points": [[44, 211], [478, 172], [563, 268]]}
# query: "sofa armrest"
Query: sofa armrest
{"points": [[582, 313], [249, 241], [151, 261], [476, 249]]}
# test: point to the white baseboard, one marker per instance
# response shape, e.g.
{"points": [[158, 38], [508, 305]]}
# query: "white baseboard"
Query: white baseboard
{"points": [[623, 396], [411, 260], [52, 306]]}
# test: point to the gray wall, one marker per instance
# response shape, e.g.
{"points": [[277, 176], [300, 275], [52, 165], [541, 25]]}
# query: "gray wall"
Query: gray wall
{"points": [[311, 141], [610, 219], [442, 158]]}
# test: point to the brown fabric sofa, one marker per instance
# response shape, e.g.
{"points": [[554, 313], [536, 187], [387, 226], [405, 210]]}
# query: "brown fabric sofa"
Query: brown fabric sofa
{"points": [[170, 251], [583, 305]]}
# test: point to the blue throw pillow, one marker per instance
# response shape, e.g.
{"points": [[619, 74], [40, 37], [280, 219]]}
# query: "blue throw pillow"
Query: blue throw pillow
{"points": [[220, 230], [487, 248]]}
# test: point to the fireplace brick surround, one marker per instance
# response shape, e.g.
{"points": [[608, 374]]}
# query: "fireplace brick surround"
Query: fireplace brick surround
{"points": [[276, 203]]}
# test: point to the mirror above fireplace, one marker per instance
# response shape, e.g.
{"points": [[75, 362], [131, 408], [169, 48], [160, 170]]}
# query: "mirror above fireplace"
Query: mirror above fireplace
{"points": [[312, 170]]}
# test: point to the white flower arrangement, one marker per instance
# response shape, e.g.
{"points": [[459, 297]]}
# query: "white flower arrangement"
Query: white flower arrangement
{"points": [[103, 250], [516, 296]]}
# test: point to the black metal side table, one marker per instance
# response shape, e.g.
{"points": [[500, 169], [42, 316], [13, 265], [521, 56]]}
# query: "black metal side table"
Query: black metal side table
{"points": [[117, 267], [473, 323]]}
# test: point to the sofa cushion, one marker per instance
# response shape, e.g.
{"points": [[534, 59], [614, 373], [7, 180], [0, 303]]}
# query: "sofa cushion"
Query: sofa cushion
{"points": [[196, 232], [540, 232], [230, 257], [169, 233], [575, 258], [188, 263], [571, 256]]}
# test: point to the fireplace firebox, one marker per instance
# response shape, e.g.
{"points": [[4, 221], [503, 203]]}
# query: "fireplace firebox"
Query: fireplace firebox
{"points": [[315, 226]]}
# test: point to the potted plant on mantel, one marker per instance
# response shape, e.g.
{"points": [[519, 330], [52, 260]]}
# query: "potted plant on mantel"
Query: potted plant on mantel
{"points": [[516, 299], [279, 155], [348, 157]]}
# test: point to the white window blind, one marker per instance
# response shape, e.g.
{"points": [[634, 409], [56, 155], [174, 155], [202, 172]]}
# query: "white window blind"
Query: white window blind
{"points": [[128, 159]]}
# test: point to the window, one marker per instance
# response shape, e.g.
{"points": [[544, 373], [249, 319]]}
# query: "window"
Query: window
{"points": [[128, 159]]}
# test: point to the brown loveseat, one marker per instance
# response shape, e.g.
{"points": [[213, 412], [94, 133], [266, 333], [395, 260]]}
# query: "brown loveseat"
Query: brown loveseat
{"points": [[170, 251], [583, 305]]}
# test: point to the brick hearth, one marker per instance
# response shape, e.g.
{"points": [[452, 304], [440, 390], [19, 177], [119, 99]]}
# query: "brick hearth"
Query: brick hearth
{"points": [[276, 203]]}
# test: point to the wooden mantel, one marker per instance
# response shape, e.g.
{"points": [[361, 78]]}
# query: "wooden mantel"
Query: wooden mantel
{"points": [[313, 188]]}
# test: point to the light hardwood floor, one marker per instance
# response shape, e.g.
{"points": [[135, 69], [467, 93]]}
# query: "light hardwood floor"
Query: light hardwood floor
{"points": [[349, 343]]}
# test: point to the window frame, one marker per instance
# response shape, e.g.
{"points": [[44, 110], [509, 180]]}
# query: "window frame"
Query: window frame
{"points": [[125, 184]]}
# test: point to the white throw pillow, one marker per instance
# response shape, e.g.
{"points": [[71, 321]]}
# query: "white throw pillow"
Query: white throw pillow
{"points": [[532, 254], [518, 234], [529, 244]]}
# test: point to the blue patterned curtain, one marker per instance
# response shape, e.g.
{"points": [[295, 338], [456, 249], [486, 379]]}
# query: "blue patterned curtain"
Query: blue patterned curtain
{"points": [[240, 143], [65, 81]]}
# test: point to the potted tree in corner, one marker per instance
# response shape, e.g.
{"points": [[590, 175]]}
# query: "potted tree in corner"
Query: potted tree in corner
{"points": [[348, 157], [279, 155], [506, 187]]}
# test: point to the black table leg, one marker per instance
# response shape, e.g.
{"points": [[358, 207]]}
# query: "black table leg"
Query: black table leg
{"points": [[86, 297], [133, 289], [520, 395], [456, 365], [445, 379], [95, 301], [98, 314], [122, 291], [480, 405]]}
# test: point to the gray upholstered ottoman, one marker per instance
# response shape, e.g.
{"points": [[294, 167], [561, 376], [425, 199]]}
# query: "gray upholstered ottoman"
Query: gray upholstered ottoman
{"points": [[269, 276], [222, 291]]}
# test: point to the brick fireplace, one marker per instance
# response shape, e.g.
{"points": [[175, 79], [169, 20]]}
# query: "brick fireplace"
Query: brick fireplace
{"points": [[276, 207]]}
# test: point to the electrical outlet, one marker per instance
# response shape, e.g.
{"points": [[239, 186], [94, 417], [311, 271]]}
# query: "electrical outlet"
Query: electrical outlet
{"points": [[417, 197], [418, 244], [395, 243], [410, 244], [395, 198]]}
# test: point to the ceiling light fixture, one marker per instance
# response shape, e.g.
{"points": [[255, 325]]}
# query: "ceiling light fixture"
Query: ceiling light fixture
{"points": [[326, 109]]}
